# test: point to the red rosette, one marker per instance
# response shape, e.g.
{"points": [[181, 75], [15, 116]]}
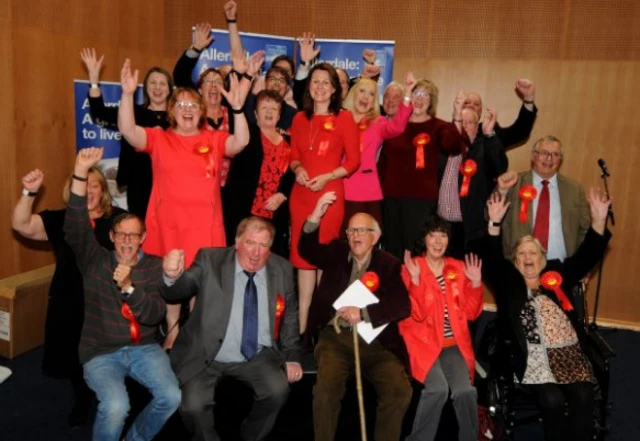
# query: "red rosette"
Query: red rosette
{"points": [[371, 281], [468, 169], [527, 193], [363, 124], [329, 124], [419, 141], [279, 312], [552, 280], [202, 148], [450, 274], [134, 326]]}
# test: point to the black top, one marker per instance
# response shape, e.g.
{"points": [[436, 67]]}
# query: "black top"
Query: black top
{"points": [[134, 168], [518, 132], [65, 310]]}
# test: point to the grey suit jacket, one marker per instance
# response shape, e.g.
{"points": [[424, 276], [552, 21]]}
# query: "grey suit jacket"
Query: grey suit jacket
{"points": [[210, 278], [576, 216]]}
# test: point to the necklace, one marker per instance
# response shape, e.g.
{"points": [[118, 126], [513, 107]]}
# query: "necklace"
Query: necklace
{"points": [[311, 139]]}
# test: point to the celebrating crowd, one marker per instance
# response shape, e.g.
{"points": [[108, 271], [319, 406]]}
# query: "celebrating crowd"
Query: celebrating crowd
{"points": [[236, 183]]}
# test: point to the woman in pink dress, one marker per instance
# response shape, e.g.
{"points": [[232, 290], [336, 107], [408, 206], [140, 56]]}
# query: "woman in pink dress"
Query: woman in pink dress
{"points": [[322, 135], [184, 211]]}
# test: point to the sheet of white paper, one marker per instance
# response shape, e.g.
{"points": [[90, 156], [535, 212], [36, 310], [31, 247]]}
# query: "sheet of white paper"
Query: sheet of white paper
{"points": [[358, 295]]}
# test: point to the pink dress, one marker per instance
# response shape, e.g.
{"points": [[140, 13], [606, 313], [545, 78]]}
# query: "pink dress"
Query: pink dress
{"points": [[185, 211]]}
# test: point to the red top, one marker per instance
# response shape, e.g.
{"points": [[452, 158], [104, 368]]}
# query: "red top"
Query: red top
{"points": [[274, 165], [184, 211], [397, 167]]}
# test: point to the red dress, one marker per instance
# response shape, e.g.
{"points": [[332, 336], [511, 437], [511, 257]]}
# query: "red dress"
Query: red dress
{"points": [[320, 145], [184, 210]]}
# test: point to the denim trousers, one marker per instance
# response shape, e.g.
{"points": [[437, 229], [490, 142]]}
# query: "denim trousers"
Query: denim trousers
{"points": [[148, 365]]}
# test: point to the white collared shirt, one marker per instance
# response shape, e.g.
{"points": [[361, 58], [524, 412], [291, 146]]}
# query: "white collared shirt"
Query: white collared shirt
{"points": [[557, 248]]}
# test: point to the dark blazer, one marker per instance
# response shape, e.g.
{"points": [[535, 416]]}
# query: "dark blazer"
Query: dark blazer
{"points": [[491, 159], [576, 216], [333, 259], [510, 289], [210, 278]]}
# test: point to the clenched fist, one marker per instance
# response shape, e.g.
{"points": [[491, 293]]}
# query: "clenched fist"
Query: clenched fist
{"points": [[122, 276], [173, 264]]}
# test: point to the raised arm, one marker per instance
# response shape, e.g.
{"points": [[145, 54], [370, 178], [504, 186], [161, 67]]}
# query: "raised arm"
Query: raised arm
{"points": [[235, 43], [23, 220], [135, 135], [397, 125], [100, 113], [308, 53], [180, 284], [520, 130], [309, 246], [183, 69]]}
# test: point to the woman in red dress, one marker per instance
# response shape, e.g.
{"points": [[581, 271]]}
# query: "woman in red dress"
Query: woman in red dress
{"points": [[324, 149], [184, 211]]}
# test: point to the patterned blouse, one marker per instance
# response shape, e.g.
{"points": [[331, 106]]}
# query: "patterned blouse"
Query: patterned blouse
{"points": [[274, 166], [555, 355]]}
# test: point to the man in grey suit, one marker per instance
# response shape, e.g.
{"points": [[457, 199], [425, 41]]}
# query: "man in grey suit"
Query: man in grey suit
{"points": [[567, 217], [244, 324]]}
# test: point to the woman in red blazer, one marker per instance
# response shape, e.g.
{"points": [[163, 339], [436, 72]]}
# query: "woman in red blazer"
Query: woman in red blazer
{"points": [[445, 294]]}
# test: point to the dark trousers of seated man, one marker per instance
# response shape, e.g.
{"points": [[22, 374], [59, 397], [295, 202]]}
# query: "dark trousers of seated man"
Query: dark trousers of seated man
{"points": [[449, 371], [264, 373], [335, 364]]}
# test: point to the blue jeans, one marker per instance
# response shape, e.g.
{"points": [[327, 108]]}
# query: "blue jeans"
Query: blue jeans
{"points": [[149, 366]]}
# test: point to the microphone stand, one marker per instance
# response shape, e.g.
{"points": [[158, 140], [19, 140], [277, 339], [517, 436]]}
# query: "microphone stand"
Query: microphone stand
{"points": [[594, 324]]}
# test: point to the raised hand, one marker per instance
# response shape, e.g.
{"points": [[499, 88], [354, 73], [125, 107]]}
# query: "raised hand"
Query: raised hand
{"points": [[473, 269], [92, 63], [370, 71], [128, 80], [507, 180], [412, 267], [233, 96], [173, 263], [458, 105], [409, 83], [122, 276], [322, 206], [489, 123], [255, 63], [202, 37], [369, 55], [497, 206], [526, 89], [87, 158], [599, 205], [230, 10], [32, 181], [307, 51]]}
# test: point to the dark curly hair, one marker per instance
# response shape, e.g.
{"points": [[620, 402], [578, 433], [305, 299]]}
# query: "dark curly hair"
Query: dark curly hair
{"points": [[433, 224]]}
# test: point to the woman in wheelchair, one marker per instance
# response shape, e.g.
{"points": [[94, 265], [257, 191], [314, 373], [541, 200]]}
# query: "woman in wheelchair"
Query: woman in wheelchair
{"points": [[445, 294], [547, 349]]}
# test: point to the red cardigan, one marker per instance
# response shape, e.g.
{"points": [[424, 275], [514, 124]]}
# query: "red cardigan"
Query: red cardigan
{"points": [[423, 331]]}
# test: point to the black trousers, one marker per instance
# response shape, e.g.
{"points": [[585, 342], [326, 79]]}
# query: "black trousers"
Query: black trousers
{"points": [[403, 219], [263, 373], [552, 399]]}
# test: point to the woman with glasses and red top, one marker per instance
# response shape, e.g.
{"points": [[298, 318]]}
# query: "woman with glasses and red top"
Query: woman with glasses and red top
{"points": [[185, 211]]}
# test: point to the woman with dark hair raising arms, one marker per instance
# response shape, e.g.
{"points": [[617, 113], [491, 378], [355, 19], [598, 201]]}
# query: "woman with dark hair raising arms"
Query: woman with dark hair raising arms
{"points": [[134, 168], [321, 136]]}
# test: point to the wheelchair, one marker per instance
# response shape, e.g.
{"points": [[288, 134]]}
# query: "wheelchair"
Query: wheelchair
{"points": [[512, 404]]}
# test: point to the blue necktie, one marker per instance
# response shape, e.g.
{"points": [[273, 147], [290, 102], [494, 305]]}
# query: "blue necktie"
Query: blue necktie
{"points": [[249, 345]]}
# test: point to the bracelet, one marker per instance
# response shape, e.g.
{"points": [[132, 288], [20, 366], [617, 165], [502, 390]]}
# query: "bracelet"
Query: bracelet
{"points": [[247, 76], [94, 86], [494, 224], [528, 102], [231, 20], [31, 194], [237, 111], [195, 49], [79, 178]]}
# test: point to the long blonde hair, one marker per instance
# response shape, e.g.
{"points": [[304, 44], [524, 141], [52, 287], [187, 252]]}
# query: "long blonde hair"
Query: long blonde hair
{"points": [[105, 200], [348, 104]]}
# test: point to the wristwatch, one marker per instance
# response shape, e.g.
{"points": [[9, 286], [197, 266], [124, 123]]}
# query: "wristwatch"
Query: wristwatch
{"points": [[494, 224], [31, 194], [127, 292]]}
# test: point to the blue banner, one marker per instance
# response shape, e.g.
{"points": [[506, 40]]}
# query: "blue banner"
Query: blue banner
{"points": [[219, 52], [347, 55], [90, 134]]}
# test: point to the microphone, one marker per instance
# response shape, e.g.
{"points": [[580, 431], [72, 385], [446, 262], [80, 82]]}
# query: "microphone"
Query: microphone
{"points": [[603, 167]]}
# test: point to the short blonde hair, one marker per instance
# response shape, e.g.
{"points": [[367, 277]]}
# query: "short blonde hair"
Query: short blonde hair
{"points": [[430, 87], [348, 103], [536, 242], [258, 224], [105, 200]]}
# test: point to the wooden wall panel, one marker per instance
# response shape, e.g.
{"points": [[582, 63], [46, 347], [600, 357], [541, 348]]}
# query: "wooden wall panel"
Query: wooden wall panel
{"points": [[584, 56]]}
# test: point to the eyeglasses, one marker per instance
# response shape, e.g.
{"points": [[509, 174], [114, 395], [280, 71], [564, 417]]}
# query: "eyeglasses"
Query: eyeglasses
{"points": [[276, 80], [421, 94], [214, 82], [359, 231], [119, 235], [548, 154], [187, 105]]}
